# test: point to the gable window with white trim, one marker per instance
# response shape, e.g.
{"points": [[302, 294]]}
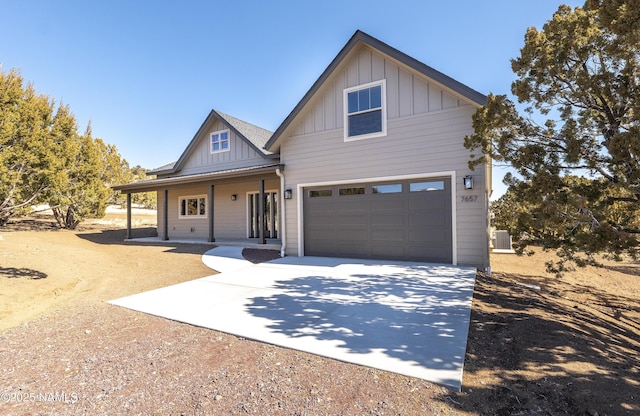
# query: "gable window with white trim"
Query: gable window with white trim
{"points": [[192, 206], [365, 111], [220, 141]]}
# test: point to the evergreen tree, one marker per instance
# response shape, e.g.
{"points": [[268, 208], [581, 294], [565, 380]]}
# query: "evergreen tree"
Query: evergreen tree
{"points": [[43, 159], [581, 75], [26, 159]]}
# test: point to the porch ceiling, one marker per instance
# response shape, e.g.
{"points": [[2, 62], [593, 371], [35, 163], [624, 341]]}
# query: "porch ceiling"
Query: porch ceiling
{"points": [[152, 184]]}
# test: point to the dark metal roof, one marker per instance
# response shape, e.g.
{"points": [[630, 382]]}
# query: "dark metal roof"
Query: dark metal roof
{"points": [[359, 36], [168, 168], [152, 184]]}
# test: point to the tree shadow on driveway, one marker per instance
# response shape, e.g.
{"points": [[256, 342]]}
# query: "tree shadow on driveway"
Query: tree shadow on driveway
{"points": [[417, 314]]}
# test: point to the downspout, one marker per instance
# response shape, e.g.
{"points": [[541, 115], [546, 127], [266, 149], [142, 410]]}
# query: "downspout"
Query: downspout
{"points": [[283, 233]]}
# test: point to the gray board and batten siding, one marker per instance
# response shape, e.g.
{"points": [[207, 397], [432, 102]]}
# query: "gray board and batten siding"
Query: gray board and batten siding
{"points": [[231, 216], [243, 151], [426, 126]]}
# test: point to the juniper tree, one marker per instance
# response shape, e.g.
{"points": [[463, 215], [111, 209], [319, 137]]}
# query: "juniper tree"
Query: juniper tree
{"points": [[576, 145], [43, 158]]}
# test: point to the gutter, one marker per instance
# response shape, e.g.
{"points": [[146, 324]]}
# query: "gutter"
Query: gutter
{"points": [[283, 218]]}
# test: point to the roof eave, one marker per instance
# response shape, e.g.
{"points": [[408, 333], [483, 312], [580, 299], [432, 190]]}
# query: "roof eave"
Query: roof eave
{"points": [[161, 172], [155, 184]]}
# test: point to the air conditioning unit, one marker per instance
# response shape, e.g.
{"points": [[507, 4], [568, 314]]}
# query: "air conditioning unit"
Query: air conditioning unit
{"points": [[502, 240]]}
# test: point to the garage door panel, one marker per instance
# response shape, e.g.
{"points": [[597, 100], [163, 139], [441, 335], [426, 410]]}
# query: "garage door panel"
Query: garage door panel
{"points": [[388, 252], [321, 228], [353, 218], [323, 251], [428, 234], [426, 219], [434, 254], [428, 203], [323, 234], [400, 225], [353, 234], [353, 250], [319, 207], [353, 203], [322, 215], [388, 202], [387, 235], [391, 218]]}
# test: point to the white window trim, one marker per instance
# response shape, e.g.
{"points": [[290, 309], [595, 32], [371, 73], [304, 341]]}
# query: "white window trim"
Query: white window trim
{"points": [[345, 94], [211, 141], [198, 216]]}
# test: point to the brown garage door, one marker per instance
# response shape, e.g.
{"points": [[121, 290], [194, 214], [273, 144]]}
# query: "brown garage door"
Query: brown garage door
{"points": [[401, 220]]}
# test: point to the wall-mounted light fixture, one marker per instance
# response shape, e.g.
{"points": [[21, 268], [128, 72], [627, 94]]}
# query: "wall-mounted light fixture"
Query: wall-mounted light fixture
{"points": [[468, 182], [234, 197], [288, 194]]}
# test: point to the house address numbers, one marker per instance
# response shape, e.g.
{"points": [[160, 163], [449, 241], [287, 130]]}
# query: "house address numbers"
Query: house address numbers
{"points": [[468, 199]]}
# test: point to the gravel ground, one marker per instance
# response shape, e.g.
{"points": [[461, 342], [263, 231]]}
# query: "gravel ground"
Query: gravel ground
{"points": [[103, 360], [569, 347]]}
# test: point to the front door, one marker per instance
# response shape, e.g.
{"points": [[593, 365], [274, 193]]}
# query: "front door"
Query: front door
{"points": [[270, 214]]}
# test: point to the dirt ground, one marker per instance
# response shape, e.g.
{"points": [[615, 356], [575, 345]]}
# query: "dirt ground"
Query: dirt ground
{"points": [[538, 345]]}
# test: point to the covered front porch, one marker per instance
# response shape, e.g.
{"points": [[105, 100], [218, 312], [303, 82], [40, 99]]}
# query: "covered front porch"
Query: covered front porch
{"points": [[269, 244], [238, 207]]}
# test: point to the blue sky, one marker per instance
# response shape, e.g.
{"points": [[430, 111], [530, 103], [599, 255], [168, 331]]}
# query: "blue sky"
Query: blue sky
{"points": [[147, 72]]}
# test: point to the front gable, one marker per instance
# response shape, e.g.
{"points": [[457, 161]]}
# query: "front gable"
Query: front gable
{"points": [[221, 143], [406, 93], [412, 88]]}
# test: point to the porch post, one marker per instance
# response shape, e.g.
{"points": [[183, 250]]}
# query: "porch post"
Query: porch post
{"points": [[165, 234], [261, 213], [129, 216], [211, 235]]}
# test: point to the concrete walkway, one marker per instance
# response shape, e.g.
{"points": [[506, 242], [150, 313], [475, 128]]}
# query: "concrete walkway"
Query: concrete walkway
{"points": [[408, 318]]}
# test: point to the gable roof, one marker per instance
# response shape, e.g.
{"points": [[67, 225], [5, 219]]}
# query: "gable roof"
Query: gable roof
{"points": [[255, 136], [359, 36]]}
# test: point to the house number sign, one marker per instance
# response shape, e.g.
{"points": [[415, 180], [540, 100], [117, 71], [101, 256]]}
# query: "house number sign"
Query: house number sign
{"points": [[468, 199]]}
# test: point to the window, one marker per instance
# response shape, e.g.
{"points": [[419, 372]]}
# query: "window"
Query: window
{"points": [[192, 206], [426, 186], [387, 189], [320, 193], [351, 191], [365, 111], [220, 141]]}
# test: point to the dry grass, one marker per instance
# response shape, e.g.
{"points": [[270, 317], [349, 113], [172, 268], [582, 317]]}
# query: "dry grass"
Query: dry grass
{"points": [[570, 347]]}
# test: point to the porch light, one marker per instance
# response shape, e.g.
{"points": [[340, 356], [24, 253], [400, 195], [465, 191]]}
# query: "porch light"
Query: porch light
{"points": [[468, 182], [234, 197], [288, 194]]}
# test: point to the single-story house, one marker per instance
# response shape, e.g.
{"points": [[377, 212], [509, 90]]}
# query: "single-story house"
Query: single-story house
{"points": [[369, 164]]}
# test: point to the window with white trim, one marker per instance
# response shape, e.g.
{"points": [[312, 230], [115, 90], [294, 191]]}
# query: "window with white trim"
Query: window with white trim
{"points": [[365, 111], [220, 141], [192, 206]]}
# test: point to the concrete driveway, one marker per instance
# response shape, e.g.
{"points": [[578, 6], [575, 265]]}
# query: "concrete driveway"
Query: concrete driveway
{"points": [[408, 318]]}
